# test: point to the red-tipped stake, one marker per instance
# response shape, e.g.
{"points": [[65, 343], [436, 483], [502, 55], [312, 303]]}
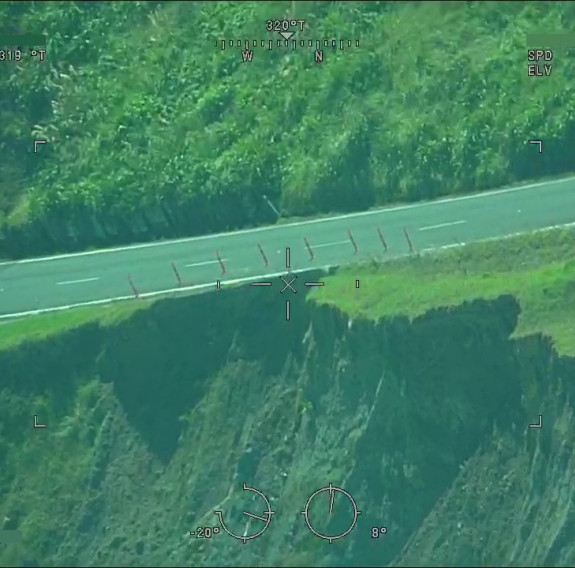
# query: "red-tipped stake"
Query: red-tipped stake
{"points": [[411, 247], [382, 239], [222, 265], [178, 278], [311, 255], [134, 290], [355, 249], [263, 255]]}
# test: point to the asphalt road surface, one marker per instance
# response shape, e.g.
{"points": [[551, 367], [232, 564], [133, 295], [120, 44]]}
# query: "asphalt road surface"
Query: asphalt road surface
{"points": [[97, 277]]}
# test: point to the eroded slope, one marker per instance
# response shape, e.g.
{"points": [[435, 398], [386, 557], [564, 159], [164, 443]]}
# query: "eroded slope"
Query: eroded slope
{"points": [[158, 421]]}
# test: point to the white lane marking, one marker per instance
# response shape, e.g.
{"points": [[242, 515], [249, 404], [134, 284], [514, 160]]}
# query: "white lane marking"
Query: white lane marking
{"points": [[440, 226], [251, 278], [295, 224], [76, 281], [159, 293], [443, 247], [329, 244], [206, 263]]}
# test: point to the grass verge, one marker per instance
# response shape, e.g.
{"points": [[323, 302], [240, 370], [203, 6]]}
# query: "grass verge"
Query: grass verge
{"points": [[538, 269], [35, 328]]}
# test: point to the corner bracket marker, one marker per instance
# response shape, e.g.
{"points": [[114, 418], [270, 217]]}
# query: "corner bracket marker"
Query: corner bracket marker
{"points": [[539, 424], [539, 143], [38, 143], [36, 425]]}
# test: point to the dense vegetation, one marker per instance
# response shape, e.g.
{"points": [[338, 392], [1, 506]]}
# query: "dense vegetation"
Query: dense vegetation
{"points": [[153, 132]]}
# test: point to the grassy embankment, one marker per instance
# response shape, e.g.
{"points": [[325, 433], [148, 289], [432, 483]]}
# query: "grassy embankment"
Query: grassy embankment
{"points": [[36, 328], [525, 266]]}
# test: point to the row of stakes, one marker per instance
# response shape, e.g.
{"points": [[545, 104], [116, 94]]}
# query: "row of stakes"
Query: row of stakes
{"points": [[266, 260]]}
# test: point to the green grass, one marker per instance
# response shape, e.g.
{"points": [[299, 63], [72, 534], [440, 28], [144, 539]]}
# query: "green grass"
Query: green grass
{"points": [[538, 269], [35, 328]]}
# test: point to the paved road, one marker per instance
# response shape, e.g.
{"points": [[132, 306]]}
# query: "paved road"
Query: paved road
{"points": [[27, 286]]}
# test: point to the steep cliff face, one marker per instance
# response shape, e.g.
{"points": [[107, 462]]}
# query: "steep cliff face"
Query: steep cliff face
{"points": [[157, 423], [512, 502]]}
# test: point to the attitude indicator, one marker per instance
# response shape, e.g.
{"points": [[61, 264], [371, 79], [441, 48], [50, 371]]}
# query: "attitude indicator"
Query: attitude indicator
{"points": [[257, 521], [331, 513]]}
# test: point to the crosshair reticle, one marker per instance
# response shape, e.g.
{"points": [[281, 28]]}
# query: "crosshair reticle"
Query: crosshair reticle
{"points": [[341, 504], [288, 283]]}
